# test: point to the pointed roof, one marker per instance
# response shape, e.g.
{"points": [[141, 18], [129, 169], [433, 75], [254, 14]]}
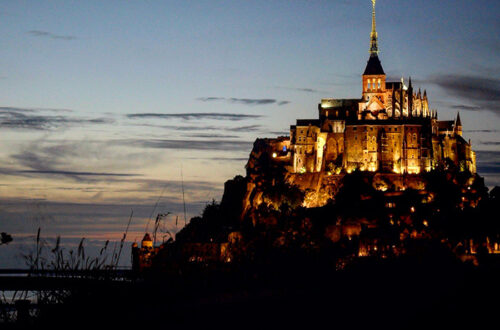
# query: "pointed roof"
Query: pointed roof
{"points": [[147, 238], [458, 122], [374, 67]]}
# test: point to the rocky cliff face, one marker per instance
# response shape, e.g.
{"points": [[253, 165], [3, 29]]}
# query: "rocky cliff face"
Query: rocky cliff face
{"points": [[268, 172]]}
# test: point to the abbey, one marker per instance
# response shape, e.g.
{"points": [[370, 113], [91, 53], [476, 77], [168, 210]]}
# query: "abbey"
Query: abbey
{"points": [[391, 128]]}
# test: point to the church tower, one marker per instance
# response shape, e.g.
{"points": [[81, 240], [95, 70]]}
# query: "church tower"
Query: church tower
{"points": [[374, 89]]}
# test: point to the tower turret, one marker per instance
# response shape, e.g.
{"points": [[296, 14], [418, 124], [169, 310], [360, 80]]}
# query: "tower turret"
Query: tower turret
{"points": [[147, 242], [425, 105], [410, 98], [458, 125]]}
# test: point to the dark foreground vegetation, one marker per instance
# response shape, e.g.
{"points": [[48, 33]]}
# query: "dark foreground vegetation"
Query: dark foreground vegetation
{"points": [[428, 290], [288, 271]]}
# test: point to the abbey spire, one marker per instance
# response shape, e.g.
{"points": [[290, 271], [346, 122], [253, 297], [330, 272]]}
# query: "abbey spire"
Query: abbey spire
{"points": [[373, 35], [374, 67]]}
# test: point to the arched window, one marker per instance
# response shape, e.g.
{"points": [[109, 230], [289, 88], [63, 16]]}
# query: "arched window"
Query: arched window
{"points": [[379, 84], [415, 136], [369, 85]]}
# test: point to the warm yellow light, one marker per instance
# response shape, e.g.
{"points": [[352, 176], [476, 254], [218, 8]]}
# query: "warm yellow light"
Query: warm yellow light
{"points": [[426, 223], [275, 155], [412, 209]]}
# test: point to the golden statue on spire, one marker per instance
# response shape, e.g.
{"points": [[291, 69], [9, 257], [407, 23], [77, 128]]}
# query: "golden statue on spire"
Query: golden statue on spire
{"points": [[373, 36]]}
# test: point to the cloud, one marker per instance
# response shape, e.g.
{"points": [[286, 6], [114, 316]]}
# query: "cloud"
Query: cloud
{"points": [[195, 115], [490, 143], [45, 34], [211, 136], [78, 160], [19, 109], [175, 185], [283, 133], [482, 92], [223, 145], [46, 162], [250, 128], [243, 101], [33, 119], [305, 90], [229, 159], [252, 101], [208, 99], [488, 162], [482, 131], [488, 155], [489, 168], [73, 173], [221, 159], [465, 107]]}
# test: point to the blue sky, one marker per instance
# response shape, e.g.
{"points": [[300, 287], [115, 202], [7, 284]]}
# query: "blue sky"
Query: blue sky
{"points": [[94, 94]]}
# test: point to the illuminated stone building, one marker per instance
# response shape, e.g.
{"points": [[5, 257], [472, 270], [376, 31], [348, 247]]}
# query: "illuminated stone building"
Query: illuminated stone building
{"points": [[391, 129], [142, 256]]}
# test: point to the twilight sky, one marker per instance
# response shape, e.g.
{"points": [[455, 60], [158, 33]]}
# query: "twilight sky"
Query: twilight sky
{"points": [[102, 103]]}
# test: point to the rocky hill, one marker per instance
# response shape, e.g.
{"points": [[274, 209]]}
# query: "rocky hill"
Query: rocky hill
{"points": [[272, 213]]}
